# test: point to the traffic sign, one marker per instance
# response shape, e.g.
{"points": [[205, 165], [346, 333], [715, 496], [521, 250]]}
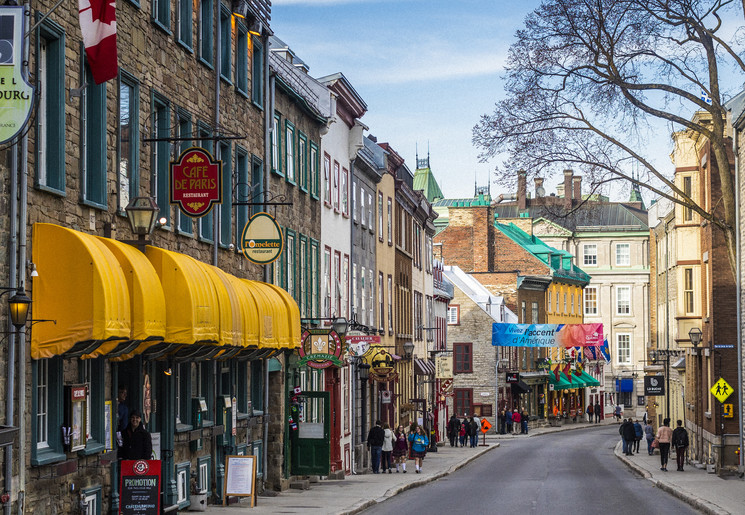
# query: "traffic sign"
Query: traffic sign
{"points": [[485, 425], [721, 390], [728, 411]]}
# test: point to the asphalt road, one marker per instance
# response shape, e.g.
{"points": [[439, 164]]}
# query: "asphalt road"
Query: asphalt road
{"points": [[569, 472]]}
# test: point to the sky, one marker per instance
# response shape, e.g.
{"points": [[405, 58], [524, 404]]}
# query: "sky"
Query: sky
{"points": [[427, 70]]}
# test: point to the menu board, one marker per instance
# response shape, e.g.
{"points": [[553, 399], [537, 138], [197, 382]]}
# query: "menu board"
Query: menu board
{"points": [[240, 472], [139, 487]]}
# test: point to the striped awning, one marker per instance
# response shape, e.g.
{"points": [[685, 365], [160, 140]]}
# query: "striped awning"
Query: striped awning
{"points": [[424, 367]]}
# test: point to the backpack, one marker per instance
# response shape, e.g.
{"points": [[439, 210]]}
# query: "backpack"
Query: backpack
{"points": [[473, 428], [680, 437]]}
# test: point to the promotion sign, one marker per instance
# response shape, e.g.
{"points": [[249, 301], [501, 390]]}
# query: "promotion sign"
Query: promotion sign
{"points": [[547, 335], [321, 349], [139, 487], [261, 241], [196, 182], [654, 385], [16, 94]]}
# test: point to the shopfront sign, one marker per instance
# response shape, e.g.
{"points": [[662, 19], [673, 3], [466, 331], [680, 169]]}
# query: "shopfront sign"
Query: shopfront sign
{"points": [[547, 335], [261, 240], [359, 344], [196, 182], [139, 487], [321, 348], [382, 365], [443, 367], [512, 377], [16, 94], [654, 385]]}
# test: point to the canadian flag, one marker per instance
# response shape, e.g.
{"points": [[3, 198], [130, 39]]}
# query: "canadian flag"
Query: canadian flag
{"points": [[98, 25]]}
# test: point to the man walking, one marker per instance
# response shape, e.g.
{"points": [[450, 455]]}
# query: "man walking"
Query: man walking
{"points": [[597, 412], [375, 439], [680, 442], [628, 434], [453, 430]]}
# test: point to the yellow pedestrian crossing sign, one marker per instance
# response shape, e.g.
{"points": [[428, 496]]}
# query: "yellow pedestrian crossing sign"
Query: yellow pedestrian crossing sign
{"points": [[721, 390]]}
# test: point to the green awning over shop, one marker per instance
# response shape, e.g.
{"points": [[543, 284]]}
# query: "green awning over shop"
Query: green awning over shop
{"points": [[576, 381], [588, 379], [561, 384]]}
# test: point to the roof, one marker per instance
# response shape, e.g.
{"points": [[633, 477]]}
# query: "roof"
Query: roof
{"points": [[479, 200], [492, 305], [737, 106], [425, 181], [591, 216], [560, 261]]}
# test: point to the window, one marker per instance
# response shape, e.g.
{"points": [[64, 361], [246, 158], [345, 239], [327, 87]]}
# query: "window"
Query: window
{"points": [[313, 287], [591, 300], [345, 191], [688, 289], [241, 58], [204, 464], [290, 265], [183, 482], [184, 33], [534, 313], [225, 210], [91, 373], [355, 207], [362, 207], [302, 161], [390, 221], [128, 154], [549, 302], [565, 303], [463, 358], [523, 313], [46, 406], [571, 301], [363, 295], [336, 283], [161, 154], [257, 179], [327, 282], [687, 189], [289, 152], [303, 279], [206, 35], [183, 127], [623, 300], [371, 304], [257, 73], [335, 191], [370, 222], [380, 216], [463, 401], [94, 164], [453, 314], [162, 14], [590, 253], [276, 144], [206, 227], [327, 179], [257, 386], [50, 118], [623, 346], [313, 178], [226, 42], [623, 254], [243, 193], [345, 285], [557, 303], [390, 305], [381, 303], [354, 289]]}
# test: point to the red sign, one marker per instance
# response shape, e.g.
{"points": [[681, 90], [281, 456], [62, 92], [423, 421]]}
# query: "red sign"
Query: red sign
{"points": [[363, 338], [445, 386], [78, 393], [196, 182], [139, 487]]}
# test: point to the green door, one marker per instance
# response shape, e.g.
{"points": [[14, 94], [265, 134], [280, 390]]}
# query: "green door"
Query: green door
{"points": [[310, 441]]}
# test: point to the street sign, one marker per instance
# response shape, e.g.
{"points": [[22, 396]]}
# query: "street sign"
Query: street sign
{"points": [[728, 411], [485, 425], [721, 390]]}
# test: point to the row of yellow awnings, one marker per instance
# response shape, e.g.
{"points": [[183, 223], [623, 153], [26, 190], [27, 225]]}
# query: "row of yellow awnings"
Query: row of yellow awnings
{"points": [[108, 298]]}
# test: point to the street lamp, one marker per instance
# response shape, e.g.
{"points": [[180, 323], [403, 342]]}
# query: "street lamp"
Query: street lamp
{"points": [[18, 306], [408, 349], [141, 214], [340, 325], [695, 335]]}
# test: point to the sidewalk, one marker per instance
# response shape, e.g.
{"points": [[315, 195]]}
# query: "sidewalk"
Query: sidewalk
{"points": [[706, 492]]}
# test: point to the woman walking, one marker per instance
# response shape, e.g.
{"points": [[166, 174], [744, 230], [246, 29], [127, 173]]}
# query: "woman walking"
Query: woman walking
{"points": [[664, 436], [419, 443], [400, 449], [387, 448], [463, 433], [649, 434]]}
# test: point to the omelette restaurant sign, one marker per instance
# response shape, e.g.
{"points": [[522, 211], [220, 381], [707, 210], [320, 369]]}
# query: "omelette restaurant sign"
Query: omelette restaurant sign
{"points": [[16, 94], [261, 241], [196, 182]]}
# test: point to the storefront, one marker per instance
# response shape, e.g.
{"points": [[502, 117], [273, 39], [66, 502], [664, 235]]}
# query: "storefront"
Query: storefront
{"points": [[191, 344]]}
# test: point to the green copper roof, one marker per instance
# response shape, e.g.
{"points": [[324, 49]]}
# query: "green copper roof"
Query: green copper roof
{"points": [[425, 180], [560, 261], [479, 200]]}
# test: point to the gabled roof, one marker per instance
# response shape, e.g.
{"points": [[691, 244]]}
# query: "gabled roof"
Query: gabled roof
{"points": [[591, 216], [560, 261], [425, 181], [492, 305]]}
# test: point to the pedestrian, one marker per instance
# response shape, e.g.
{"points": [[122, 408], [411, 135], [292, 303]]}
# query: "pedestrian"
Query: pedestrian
{"points": [[628, 433], [598, 411], [375, 439], [617, 413], [589, 413], [400, 449], [136, 441], [387, 448], [664, 436], [477, 420], [419, 443], [509, 421], [516, 421], [524, 420], [453, 430], [649, 433], [638, 435], [122, 409], [502, 422], [680, 442], [473, 432], [463, 433]]}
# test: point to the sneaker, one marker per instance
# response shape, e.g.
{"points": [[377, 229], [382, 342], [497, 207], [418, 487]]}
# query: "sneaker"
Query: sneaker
{"points": [[389, 471], [417, 472], [404, 471]]}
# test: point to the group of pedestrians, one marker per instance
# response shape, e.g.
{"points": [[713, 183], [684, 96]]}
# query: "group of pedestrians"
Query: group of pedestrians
{"points": [[632, 432], [510, 422], [594, 410], [389, 447], [464, 432]]}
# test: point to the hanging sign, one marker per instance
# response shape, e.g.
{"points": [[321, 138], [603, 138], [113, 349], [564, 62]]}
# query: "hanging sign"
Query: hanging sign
{"points": [[359, 344], [196, 182], [443, 367], [547, 335], [381, 365], [16, 94], [654, 386], [261, 241], [321, 349]]}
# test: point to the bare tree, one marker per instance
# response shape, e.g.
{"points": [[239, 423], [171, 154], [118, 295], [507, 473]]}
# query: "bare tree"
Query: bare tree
{"points": [[587, 80]]}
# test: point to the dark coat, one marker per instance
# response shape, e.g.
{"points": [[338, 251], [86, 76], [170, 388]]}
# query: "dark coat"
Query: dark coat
{"points": [[628, 432], [453, 426], [680, 437], [375, 437], [138, 445]]}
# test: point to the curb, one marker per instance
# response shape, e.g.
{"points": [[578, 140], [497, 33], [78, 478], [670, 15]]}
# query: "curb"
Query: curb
{"points": [[703, 505], [359, 507]]}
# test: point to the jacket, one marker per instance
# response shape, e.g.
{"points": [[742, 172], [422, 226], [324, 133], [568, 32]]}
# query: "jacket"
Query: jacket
{"points": [[649, 432], [388, 440], [419, 442], [516, 417], [628, 431], [400, 444], [375, 437], [664, 434], [680, 437], [137, 444], [453, 426], [638, 430]]}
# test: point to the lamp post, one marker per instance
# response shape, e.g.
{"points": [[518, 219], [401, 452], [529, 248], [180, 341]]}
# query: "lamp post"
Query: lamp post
{"points": [[141, 215], [408, 349], [695, 335], [18, 306]]}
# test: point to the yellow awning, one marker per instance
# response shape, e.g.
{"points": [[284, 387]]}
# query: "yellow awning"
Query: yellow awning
{"points": [[80, 285], [249, 310], [192, 304], [279, 315], [147, 302]]}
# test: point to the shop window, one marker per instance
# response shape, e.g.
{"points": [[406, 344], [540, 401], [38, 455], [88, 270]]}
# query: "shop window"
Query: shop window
{"points": [[463, 401], [91, 373], [162, 14], [202, 387], [183, 127], [257, 448], [183, 489], [47, 408], [90, 499], [257, 386], [241, 58], [257, 73], [203, 473], [463, 357], [225, 210], [184, 34], [226, 42], [94, 123], [50, 118], [302, 161], [313, 166], [206, 33], [184, 418], [242, 389], [161, 154]]}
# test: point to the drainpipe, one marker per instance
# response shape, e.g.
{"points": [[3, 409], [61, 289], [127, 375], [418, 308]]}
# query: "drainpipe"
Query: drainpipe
{"points": [[353, 366], [740, 467], [218, 68]]}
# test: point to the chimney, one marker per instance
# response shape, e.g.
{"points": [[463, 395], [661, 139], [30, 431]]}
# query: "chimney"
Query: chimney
{"points": [[568, 188], [539, 191], [577, 187], [521, 189]]}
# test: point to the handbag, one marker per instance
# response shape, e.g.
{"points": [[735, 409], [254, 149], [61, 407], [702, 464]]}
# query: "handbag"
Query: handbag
{"points": [[655, 443]]}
